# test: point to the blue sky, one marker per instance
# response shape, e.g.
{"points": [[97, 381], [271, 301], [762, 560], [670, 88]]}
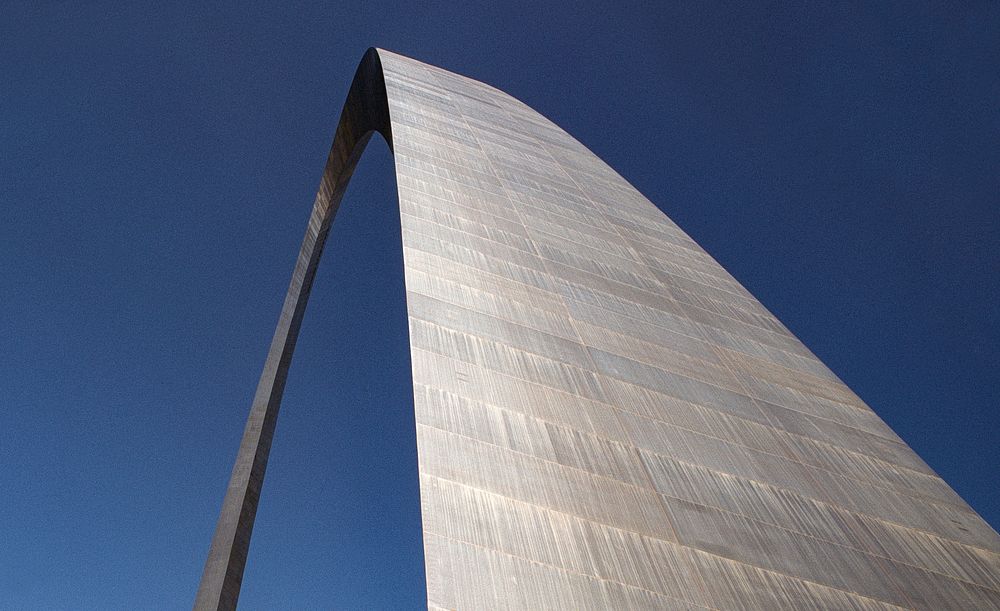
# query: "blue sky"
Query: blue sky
{"points": [[158, 164]]}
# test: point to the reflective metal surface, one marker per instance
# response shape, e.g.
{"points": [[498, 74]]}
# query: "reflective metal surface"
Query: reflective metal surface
{"points": [[605, 418]]}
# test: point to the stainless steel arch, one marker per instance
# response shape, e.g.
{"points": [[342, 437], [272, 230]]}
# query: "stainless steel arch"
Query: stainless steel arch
{"points": [[606, 418]]}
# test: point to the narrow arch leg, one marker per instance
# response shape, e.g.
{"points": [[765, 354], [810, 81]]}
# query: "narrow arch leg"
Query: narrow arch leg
{"points": [[364, 113]]}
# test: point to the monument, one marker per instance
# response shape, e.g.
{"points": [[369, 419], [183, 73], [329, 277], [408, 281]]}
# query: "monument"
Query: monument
{"points": [[605, 418]]}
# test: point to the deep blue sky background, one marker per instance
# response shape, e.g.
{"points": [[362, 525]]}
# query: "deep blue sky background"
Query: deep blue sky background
{"points": [[158, 164]]}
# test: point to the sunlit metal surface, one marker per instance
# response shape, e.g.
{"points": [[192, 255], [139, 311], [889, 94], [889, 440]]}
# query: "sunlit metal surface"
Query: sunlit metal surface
{"points": [[605, 418]]}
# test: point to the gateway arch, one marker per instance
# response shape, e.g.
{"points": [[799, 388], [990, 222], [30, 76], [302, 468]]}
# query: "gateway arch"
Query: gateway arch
{"points": [[606, 419]]}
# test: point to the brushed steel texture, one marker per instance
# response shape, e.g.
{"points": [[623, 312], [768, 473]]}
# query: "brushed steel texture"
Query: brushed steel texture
{"points": [[606, 419]]}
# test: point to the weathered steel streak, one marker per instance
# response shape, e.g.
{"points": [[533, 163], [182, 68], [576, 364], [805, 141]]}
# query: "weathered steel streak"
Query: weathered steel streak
{"points": [[605, 418]]}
